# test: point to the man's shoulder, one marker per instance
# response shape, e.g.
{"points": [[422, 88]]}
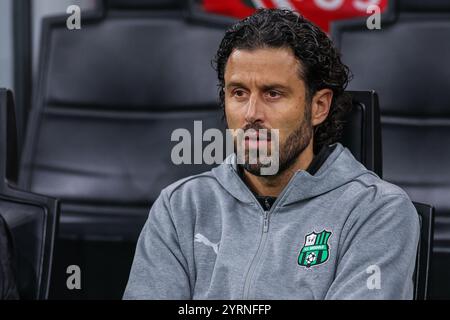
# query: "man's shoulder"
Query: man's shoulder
{"points": [[378, 187], [384, 199], [191, 184]]}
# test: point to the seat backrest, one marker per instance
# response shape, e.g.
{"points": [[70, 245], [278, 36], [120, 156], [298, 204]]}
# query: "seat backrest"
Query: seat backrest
{"points": [[423, 262], [107, 100], [31, 218], [109, 97], [362, 131]]}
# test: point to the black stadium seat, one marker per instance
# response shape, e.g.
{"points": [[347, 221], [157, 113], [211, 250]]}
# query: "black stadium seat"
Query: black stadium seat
{"points": [[423, 262], [407, 63], [31, 218], [99, 134], [362, 130], [109, 96]]}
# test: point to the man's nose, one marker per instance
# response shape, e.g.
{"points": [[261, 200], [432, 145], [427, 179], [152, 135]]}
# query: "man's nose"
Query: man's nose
{"points": [[255, 110]]}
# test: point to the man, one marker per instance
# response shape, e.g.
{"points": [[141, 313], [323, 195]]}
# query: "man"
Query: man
{"points": [[322, 227]]}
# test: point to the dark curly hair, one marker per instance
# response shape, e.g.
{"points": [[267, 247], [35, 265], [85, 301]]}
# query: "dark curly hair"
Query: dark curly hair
{"points": [[321, 66]]}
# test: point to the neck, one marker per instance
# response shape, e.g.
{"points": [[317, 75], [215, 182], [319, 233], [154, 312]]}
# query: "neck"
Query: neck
{"points": [[273, 185]]}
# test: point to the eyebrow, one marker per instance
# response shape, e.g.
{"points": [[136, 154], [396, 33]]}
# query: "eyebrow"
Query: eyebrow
{"points": [[234, 84], [265, 87], [268, 87]]}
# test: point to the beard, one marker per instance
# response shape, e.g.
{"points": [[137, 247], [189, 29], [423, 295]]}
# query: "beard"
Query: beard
{"points": [[289, 151]]}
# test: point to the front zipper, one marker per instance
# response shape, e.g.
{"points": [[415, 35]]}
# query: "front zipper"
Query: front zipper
{"points": [[265, 230], [257, 256], [266, 222]]}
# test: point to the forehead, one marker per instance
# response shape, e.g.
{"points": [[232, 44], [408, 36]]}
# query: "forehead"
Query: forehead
{"points": [[278, 65]]}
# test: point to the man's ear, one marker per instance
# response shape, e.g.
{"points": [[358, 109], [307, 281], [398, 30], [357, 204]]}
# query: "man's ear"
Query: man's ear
{"points": [[320, 106]]}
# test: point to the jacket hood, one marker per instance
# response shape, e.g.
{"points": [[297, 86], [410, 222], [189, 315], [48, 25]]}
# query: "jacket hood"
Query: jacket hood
{"points": [[339, 168]]}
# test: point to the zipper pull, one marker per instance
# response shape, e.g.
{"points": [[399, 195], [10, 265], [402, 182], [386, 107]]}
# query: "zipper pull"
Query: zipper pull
{"points": [[266, 202], [266, 221]]}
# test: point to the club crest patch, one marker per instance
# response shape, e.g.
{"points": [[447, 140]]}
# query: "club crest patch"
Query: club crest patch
{"points": [[316, 250]]}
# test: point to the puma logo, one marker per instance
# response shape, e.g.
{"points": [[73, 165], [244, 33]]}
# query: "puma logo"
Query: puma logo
{"points": [[202, 239]]}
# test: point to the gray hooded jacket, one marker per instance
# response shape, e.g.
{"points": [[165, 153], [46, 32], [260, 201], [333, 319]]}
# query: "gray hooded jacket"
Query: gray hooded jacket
{"points": [[342, 233]]}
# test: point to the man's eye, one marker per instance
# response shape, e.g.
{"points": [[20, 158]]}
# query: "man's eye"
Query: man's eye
{"points": [[239, 93], [274, 94]]}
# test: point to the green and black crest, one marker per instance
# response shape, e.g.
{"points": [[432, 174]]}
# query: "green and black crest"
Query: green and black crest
{"points": [[316, 250]]}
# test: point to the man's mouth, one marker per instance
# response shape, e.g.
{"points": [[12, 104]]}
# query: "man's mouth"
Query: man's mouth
{"points": [[257, 135], [256, 141], [257, 138]]}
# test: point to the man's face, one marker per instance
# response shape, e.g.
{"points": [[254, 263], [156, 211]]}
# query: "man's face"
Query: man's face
{"points": [[263, 90]]}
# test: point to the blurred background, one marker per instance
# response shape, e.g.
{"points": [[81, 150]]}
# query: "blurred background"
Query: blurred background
{"points": [[95, 108]]}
